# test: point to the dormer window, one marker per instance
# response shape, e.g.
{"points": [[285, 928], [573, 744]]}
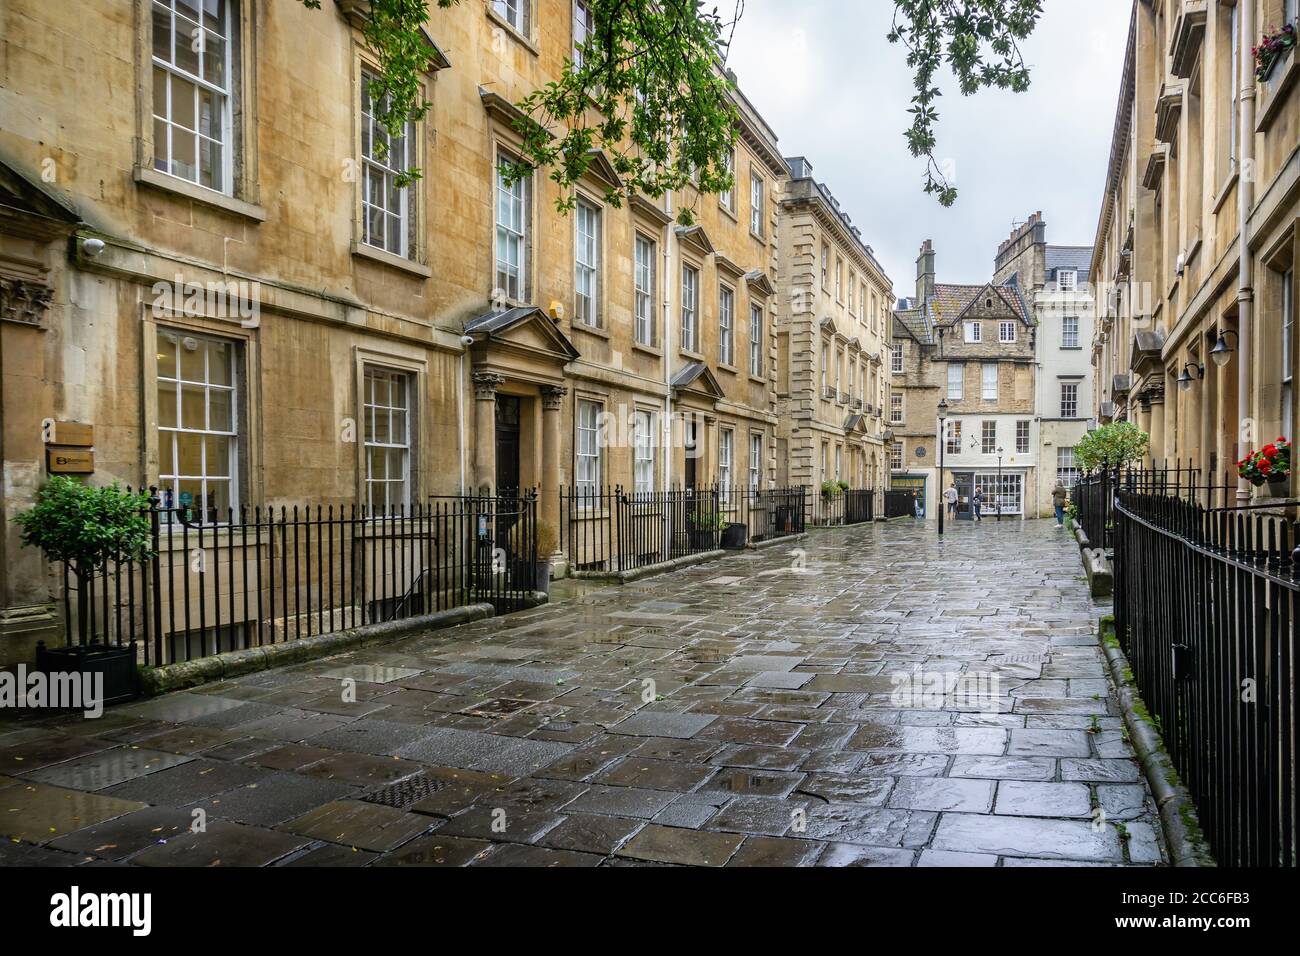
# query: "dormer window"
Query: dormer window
{"points": [[1067, 280]]}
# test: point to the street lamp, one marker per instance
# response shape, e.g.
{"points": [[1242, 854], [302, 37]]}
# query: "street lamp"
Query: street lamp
{"points": [[1222, 351], [1186, 380], [943, 440]]}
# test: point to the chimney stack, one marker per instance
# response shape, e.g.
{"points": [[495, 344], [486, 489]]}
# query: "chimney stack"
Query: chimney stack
{"points": [[925, 274]]}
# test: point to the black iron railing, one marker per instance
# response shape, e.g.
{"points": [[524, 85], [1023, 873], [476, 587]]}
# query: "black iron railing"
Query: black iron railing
{"points": [[267, 575], [1206, 610], [851, 506], [612, 529], [1094, 494]]}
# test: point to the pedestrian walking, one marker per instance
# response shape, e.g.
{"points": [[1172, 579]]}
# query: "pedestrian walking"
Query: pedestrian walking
{"points": [[1059, 496], [977, 502], [950, 496]]}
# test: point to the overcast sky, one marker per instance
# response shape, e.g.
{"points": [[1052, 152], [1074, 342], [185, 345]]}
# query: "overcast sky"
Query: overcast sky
{"points": [[835, 90]]}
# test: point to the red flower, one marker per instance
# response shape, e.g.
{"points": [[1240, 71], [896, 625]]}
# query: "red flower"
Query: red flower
{"points": [[1265, 468], [1269, 452]]}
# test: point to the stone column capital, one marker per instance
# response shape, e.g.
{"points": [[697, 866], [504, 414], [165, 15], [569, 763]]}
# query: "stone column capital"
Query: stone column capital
{"points": [[553, 397], [486, 385]]}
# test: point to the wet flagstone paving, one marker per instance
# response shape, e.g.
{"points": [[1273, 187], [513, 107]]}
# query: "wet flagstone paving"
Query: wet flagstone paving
{"points": [[741, 713]]}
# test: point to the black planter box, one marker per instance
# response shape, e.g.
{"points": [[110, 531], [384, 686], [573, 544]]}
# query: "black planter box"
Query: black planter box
{"points": [[735, 536], [702, 540], [117, 664]]}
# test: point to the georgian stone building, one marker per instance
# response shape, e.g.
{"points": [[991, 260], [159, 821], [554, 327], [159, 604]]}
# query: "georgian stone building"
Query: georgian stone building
{"points": [[972, 346], [832, 334], [1054, 281], [213, 284], [1199, 233]]}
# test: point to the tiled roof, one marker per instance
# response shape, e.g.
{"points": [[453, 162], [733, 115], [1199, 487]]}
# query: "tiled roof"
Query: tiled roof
{"points": [[912, 322], [1078, 258], [950, 300]]}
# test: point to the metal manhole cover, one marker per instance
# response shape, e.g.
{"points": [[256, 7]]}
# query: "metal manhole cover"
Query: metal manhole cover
{"points": [[405, 793]]}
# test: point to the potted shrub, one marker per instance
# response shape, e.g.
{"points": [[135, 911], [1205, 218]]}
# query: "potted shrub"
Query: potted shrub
{"points": [[1111, 446], [1269, 468], [85, 527], [831, 488], [704, 528], [735, 536]]}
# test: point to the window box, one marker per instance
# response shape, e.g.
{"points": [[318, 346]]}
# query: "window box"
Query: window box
{"points": [[1272, 49]]}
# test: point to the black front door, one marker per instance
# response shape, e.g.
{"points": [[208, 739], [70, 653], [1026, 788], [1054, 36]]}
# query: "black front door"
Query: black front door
{"points": [[507, 444], [965, 483]]}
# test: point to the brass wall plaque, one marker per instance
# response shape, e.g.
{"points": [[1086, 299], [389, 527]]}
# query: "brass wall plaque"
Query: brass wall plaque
{"points": [[70, 461]]}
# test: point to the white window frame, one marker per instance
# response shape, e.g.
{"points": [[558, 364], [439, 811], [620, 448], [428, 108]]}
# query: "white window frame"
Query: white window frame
{"points": [[375, 407], [582, 29], [587, 229], [643, 452], [952, 431], [587, 453], [516, 13], [645, 252], [726, 325], [896, 456], [756, 339], [956, 381], [1022, 437], [1067, 280], [1006, 331], [988, 437], [516, 233], [727, 198], [896, 359], [690, 307], [202, 392], [1288, 337], [989, 381], [167, 130], [826, 266], [974, 332], [757, 204], [726, 459], [397, 161], [1070, 399], [1067, 470], [755, 461], [1069, 331], [895, 408]]}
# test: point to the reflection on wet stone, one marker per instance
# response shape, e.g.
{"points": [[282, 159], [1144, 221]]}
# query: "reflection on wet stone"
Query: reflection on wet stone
{"points": [[731, 714]]}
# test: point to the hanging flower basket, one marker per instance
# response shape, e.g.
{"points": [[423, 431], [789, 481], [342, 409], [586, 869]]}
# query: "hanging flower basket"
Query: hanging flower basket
{"points": [[1271, 465], [1271, 49]]}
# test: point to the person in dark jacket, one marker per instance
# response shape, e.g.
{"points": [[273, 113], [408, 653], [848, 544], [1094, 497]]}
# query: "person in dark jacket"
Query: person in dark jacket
{"points": [[1059, 497], [977, 502]]}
